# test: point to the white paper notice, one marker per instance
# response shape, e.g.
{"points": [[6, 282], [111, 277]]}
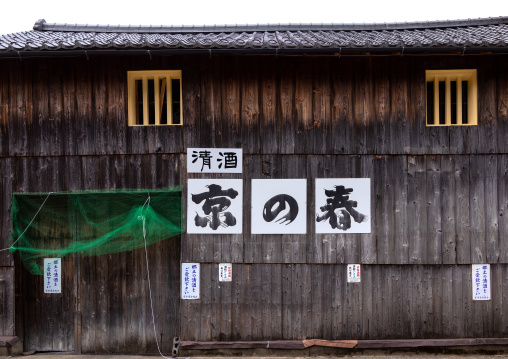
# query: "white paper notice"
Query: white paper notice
{"points": [[225, 272], [481, 281], [52, 275], [353, 273], [190, 280]]}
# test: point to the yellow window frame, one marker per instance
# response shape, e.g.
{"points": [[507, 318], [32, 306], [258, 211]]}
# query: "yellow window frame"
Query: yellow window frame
{"points": [[459, 76], [145, 76]]}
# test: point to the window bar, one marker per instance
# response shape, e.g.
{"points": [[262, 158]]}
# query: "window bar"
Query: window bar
{"points": [[436, 100], [156, 100], [459, 100], [471, 98], [145, 101], [162, 93], [448, 101], [169, 101], [132, 102], [181, 100]]}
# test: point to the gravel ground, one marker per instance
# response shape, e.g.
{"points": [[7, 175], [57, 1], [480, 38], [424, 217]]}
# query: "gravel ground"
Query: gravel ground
{"points": [[351, 356]]}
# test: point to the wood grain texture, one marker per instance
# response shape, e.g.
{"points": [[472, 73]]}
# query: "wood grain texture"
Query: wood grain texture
{"points": [[382, 88], [391, 302], [487, 106], [448, 217], [269, 105], [502, 107], [4, 112], [433, 202], [477, 205], [321, 105], [303, 115], [362, 107], [401, 86], [269, 127], [502, 191], [449, 201], [250, 107], [286, 106], [418, 132], [439, 199], [6, 179], [7, 301]]}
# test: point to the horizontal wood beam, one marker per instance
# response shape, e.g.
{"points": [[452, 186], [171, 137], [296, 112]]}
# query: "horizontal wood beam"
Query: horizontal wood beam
{"points": [[350, 344], [276, 344]]}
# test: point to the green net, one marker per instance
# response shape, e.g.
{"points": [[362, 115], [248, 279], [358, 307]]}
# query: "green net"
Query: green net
{"points": [[92, 222]]}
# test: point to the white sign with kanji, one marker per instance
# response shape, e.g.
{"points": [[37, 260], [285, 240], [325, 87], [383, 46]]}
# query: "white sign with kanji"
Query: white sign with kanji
{"points": [[481, 281], [190, 280], [52, 275], [279, 206], [214, 206], [214, 160], [353, 273], [225, 272], [343, 205]]}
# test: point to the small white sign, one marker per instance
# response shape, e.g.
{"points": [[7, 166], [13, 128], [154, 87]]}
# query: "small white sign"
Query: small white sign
{"points": [[214, 160], [353, 273], [52, 275], [214, 206], [190, 280], [225, 272], [481, 281]]}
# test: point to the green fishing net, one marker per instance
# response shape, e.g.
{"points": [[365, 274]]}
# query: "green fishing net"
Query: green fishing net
{"points": [[89, 223]]}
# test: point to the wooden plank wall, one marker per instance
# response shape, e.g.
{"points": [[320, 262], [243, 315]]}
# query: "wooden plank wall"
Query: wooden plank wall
{"points": [[439, 196], [302, 301], [115, 300], [107, 294], [446, 209], [48, 319], [6, 174], [266, 105], [7, 316], [285, 105], [433, 216]]}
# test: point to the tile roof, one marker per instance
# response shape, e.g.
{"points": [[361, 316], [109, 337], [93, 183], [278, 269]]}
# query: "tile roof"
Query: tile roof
{"points": [[479, 33]]}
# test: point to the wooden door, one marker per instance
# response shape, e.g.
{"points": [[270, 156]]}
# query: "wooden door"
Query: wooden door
{"points": [[108, 310], [115, 307], [48, 319]]}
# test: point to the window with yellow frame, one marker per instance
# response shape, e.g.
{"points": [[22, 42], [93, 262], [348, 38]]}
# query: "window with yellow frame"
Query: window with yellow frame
{"points": [[155, 97], [451, 97]]}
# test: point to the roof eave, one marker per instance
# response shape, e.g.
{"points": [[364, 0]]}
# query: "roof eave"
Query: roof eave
{"points": [[42, 25], [336, 51]]}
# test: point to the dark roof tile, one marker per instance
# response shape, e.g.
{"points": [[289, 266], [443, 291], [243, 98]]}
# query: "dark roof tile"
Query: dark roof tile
{"points": [[492, 32]]}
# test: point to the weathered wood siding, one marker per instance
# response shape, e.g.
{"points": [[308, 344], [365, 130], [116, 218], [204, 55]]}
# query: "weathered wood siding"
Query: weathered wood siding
{"points": [[296, 301], [442, 209], [7, 300], [293, 117], [425, 209], [439, 198], [266, 105], [105, 304]]}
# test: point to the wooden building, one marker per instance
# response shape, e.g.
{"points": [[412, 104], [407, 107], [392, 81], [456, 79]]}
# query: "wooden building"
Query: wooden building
{"points": [[301, 102]]}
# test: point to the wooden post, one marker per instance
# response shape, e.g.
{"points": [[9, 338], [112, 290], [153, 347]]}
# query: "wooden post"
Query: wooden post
{"points": [[77, 332]]}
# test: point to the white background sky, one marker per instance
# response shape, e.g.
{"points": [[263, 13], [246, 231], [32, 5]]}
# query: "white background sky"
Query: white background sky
{"points": [[20, 15]]}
